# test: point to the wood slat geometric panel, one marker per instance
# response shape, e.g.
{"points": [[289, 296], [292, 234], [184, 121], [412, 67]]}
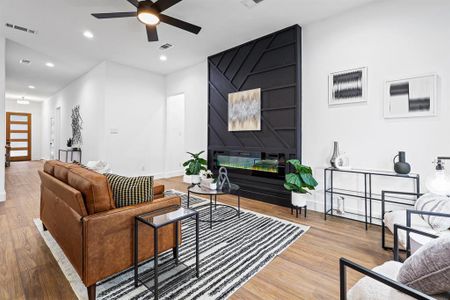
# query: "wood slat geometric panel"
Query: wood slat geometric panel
{"points": [[272, 63]]}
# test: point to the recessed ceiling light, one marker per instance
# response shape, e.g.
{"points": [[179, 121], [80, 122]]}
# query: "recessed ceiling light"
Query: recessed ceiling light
{"points": [[88, 34], [25, 61], [50, 64], [163, 57], [31, 87]]}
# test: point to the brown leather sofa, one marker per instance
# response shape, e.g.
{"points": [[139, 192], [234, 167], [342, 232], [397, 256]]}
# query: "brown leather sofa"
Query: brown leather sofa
{"points": [[78, 210]]}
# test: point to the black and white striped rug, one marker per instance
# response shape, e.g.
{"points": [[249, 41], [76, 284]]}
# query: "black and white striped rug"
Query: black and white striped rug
{"points": [[230, 254]]}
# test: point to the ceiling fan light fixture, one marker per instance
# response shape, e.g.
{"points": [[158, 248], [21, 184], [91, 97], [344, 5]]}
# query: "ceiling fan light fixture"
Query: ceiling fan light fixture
{"points": [[148, 18], [147, 14]]}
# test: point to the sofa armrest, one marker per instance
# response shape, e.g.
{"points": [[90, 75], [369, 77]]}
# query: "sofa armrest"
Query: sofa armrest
{"points": [[108, 239], [383, 210], [408, 230], [344, 263]]}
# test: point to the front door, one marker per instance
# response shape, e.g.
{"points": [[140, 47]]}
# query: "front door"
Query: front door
{"points": [[18, 135]]}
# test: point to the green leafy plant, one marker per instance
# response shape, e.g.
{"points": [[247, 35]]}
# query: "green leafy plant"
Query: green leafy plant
{"points": [[301, 180], [196, 164]]}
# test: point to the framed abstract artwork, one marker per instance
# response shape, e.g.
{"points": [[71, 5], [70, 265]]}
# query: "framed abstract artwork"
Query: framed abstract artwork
{"points": [[347, 86], [244, 110], [411, 97]]}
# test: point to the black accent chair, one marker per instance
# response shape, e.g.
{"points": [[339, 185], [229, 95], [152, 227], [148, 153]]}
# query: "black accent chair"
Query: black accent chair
{"points": [[345, 263]]}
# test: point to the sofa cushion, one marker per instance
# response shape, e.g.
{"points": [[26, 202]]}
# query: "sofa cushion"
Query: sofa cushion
{"points": [[94, 187], [131, 190], [435, 203], [49, 166], [428, 270], [399, 217], [370, 289]]}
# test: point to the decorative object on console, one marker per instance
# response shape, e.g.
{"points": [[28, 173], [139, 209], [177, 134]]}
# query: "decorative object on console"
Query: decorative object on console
{"points": [[69, 143], [222, 179], [348, 86], [439, 184], [343, 162], [208, 180], [340, 210], [411, 97], [299, 183], [244, 110], [335, 154], [401, 166], [77, 126], [194, 166]]}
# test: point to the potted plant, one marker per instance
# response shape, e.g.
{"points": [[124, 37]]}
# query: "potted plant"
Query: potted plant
{"points": [[194, 166], [299, 183], [208, 180]]}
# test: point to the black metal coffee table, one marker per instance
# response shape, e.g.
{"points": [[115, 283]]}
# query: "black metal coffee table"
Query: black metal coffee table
{"points": [[157, 219], [233, 189]]}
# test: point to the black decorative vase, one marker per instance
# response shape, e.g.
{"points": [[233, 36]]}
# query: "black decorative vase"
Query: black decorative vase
{"points": [[401, 166]]}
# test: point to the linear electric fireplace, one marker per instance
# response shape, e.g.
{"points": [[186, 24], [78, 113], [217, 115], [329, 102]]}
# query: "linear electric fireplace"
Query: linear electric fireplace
{"points": [[251, 163], [256, 160]]}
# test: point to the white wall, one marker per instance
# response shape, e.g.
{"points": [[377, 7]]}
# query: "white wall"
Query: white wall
{"points": [[2, 119], [135, 109], [193, 83], [35, 109], [123, 111], [88, 91], [394, 39]]}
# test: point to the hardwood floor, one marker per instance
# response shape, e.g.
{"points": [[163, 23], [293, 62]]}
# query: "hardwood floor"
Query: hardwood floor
{"points": [[308, 269]]}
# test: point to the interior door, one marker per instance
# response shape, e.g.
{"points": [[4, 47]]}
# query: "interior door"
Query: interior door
{"points": [[18, 135]]}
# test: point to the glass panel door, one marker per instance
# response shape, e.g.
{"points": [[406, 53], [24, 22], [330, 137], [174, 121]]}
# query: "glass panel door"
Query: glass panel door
{"points": [[18, 135]]}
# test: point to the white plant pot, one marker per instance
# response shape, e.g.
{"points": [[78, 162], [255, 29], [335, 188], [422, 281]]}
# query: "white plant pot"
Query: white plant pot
{"points": [[195, 179], [299, 200], [213, 186]]}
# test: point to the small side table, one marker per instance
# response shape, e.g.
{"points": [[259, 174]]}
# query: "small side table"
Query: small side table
{"points": [[157, 219], [233, 189], [67, 151]]}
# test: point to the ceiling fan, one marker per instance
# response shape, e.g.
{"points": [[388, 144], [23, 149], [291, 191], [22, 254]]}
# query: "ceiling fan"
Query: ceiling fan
{"points": [[150, 14]]}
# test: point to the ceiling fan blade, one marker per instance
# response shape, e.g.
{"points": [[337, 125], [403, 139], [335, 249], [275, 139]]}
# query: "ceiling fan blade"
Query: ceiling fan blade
{"points": [[134, 2], [115, 15], [180, 24], [162, 5], [152, 33]]}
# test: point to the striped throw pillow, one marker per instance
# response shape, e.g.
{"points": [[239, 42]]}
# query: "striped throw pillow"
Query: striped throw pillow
{"points": [[435, 203], [130, 190]]}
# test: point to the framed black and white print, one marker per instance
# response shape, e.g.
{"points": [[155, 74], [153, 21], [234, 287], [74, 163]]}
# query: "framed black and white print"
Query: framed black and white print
{"points": [[348, 86], [411, 97]]}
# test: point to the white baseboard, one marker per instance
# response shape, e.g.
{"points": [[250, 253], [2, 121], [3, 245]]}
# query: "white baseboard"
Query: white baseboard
{"points": [[2, 196], [174, 173]]}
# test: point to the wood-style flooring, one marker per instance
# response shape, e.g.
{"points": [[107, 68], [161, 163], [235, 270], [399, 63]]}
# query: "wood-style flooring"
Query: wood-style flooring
{"points": [[308, 269]]}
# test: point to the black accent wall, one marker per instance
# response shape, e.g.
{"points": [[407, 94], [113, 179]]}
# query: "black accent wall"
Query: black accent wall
{"points": [[272, 63]]}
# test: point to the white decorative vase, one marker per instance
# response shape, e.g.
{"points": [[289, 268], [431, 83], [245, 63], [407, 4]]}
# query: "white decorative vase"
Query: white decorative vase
{"points": [[298, 199], [195, 179], [213, 186]]}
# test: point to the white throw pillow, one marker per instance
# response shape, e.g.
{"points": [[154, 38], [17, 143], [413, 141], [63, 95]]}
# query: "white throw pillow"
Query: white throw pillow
{"points": [[435, 203], [99, 166]]}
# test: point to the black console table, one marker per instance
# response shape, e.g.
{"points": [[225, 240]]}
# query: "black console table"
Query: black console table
{"points": [[67, 151], [366, 195]]}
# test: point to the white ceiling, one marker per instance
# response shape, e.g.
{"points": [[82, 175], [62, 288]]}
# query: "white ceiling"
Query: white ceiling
{"points": [[61, 23]]}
